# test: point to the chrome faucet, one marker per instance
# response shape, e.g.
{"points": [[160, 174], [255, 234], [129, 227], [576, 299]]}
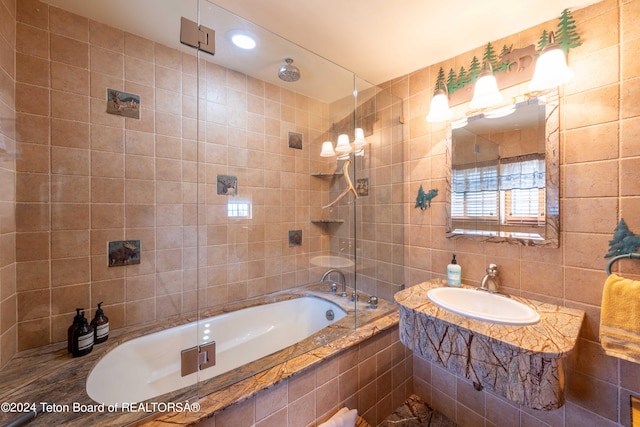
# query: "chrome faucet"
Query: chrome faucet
{"points": [[341, 274], [490, 281]]}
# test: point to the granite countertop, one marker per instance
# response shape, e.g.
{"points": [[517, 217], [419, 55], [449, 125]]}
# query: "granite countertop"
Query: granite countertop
{"points": [[554, 335], [50, 374], [524, 363]]}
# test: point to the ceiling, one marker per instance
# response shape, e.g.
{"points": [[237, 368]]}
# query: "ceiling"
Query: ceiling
{"points": [[329, 40]]}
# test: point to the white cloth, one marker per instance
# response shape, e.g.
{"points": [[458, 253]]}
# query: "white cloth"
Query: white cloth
{"points": [[343, 418]]}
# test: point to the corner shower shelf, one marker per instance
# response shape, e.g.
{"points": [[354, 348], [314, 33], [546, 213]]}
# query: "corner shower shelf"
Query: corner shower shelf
{"points": [[326, 174], [327, 221]]}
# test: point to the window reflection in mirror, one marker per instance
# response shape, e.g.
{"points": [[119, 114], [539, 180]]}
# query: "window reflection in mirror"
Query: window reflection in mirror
{"points": [[503, 180]]}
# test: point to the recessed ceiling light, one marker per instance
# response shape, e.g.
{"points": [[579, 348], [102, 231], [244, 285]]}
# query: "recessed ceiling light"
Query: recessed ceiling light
{"points": [[243, 40]]}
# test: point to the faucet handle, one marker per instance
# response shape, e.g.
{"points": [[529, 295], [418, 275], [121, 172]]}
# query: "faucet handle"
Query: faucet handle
{"points": [[492, 269], [373, 301]]}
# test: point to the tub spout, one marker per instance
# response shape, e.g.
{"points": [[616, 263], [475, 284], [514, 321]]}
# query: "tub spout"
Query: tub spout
{"points": [[341, 274]]}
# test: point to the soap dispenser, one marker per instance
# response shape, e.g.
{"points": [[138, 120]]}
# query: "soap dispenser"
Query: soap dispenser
{"points": [[454, 273], [100, 326], [82, 338], [77, 322]]}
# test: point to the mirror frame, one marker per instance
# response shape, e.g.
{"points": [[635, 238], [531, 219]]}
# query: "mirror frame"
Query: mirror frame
{"points": [[552, 164]]}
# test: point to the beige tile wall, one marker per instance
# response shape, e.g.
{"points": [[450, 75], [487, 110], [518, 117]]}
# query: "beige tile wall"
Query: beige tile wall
{"points": [[73, 157], [87, 177], [374, 377], [8, 300], [600, 157]]}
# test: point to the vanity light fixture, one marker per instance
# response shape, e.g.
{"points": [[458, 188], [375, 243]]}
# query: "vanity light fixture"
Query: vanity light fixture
{"points": [[551, 67], [439, 110], [343, 147], [485, 91], [545, 69]]}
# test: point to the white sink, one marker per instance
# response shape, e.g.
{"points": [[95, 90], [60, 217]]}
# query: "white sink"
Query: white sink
{"points": [[483, 306]]}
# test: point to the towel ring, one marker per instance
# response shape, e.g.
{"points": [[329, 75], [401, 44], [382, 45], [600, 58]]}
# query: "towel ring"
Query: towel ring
{"points": [[616, 258]]}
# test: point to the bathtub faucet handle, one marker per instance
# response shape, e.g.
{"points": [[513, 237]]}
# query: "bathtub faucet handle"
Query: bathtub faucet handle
{"points": [[373, 301]]}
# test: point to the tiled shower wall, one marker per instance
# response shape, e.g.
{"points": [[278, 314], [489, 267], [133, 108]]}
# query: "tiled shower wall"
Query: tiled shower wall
{"points": [[600, 184], [86, 177], [380, 214], [8, 299]]}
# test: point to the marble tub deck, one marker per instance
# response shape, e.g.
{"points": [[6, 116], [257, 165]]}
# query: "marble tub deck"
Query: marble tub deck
{"points": [[50, 374], [524, 364]]}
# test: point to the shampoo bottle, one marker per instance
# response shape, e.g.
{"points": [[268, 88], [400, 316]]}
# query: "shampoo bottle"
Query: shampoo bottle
{"points": [[100, 326], [77, 321], [454, 273], [82, 339]]}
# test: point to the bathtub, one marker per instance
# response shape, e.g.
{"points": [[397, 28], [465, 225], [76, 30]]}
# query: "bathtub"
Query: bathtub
{"points": [[150, 366]]}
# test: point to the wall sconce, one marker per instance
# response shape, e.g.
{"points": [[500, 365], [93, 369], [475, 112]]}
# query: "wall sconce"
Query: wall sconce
{"points": [[551, 67], [485, 92], [439, 110], [343, 147], [359, 143], [327, 149]]}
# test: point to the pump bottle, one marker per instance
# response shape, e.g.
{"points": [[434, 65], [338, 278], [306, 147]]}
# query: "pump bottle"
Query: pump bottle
{"points": [[82, 338], [77, 321], [454, 273], [100, 326]]}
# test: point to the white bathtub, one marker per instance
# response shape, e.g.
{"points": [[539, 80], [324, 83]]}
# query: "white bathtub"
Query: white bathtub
{"points": [[149, 366]]}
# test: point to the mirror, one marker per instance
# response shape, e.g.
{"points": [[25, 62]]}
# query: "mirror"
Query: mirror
{"points": [[503, 175]]}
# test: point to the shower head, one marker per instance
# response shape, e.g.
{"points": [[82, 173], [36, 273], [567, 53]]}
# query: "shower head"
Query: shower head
{"points": [[289, 72]]}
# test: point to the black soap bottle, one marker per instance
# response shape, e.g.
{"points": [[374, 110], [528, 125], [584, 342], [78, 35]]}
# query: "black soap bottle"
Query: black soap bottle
{"points": [[100, 326], [82, 338], [77, 322]]}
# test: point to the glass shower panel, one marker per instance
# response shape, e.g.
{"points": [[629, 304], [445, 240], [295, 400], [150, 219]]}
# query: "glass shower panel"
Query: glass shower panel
{"points": [[223, 180], [189, 178], [261, 180], [149, 161], [379, 215]]}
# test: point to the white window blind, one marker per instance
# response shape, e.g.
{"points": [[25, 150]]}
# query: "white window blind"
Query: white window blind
{"points": [[475, 192], [525, 205], [520, 194]]}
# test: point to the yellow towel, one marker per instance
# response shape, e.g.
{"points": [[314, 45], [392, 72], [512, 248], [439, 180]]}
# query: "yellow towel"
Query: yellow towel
{"points": [[620, 318]]}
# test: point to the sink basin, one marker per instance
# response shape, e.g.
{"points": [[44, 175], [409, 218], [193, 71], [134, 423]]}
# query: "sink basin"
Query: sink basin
{"points": [[482, 305]]}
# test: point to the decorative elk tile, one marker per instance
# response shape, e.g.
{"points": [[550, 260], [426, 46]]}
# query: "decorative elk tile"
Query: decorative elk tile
{"points": [[124, 252]]}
